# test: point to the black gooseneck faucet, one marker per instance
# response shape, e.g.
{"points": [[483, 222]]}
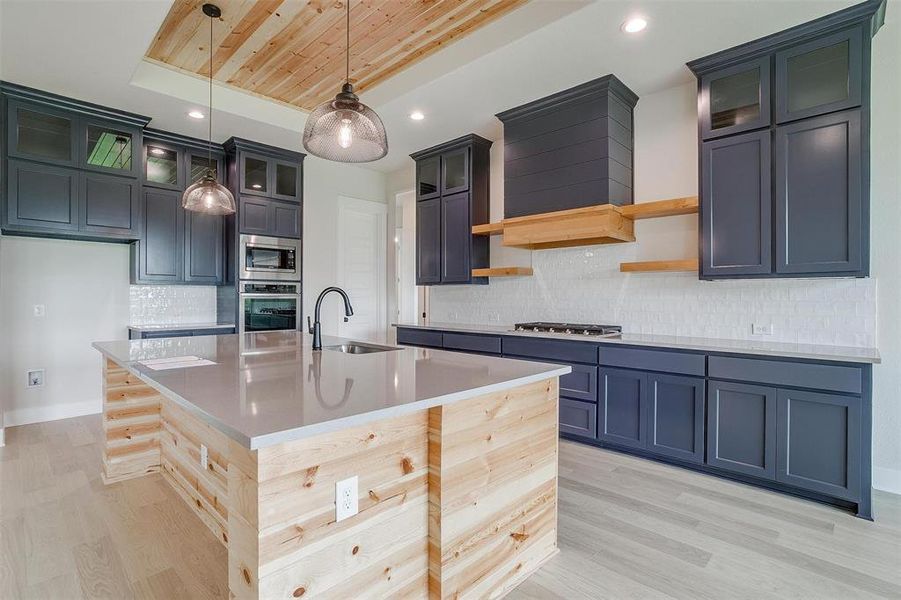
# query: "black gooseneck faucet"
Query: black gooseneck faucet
{"points": [[315, 328]]}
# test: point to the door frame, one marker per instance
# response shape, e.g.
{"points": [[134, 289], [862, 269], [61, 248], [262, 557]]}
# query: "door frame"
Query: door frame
{"points": [[380, 210]]}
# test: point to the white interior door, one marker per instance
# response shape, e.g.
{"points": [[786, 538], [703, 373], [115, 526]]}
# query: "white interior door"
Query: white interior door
{"points": [[362, 228]]}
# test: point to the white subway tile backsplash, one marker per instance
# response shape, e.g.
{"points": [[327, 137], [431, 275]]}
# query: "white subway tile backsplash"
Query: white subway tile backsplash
{"points": [[585, 285], [172, 304]]}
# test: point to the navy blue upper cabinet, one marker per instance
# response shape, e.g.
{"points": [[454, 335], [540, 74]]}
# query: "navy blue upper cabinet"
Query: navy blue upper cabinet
{"points": [[158, 256], [820, 76], [263, 175], [821, 218], [41, 132], [41, 197], [736, 217], [265, 216], [204, 239], [109, 205], [451, 197], [110, 147], [428, 241], [813, 107], [163, 165], [735, 99]]}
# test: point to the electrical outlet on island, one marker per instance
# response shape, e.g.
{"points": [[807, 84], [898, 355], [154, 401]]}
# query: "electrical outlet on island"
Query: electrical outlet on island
{"points": [[346, 495], [761, 329]]}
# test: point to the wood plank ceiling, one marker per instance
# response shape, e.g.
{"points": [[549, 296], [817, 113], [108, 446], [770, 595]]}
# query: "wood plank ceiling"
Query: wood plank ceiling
{"points": [[292, 51]]}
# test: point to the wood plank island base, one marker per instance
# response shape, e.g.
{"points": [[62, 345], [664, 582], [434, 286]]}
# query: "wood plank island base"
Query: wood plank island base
{"points": [[457, 492]]}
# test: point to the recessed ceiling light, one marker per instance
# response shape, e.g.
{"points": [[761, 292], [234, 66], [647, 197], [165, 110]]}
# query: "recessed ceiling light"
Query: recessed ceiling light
{"points": [[634, 25], [417, 115], [195, 114], [157, 151]]}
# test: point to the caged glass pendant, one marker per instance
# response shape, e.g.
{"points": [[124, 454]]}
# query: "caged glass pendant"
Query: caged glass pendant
{"points": [[208, 195], [345, 129]]}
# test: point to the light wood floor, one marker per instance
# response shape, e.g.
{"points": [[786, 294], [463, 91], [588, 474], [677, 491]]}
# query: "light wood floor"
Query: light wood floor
{"points": [[629, 528]]}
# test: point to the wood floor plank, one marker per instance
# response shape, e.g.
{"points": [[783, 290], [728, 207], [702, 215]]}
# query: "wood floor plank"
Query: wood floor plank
{"points": [[629, 529]]}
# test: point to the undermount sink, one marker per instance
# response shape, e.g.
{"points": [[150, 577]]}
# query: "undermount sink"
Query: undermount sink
{"points": [[357, 348]]}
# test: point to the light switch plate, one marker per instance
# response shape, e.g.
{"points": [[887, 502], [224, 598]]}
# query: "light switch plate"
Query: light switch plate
{"points": [[761, 329], [35, 378], [346, 494]]}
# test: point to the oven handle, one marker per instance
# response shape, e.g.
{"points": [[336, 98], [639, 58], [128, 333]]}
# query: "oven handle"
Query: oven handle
{"points": [[275, 296]]}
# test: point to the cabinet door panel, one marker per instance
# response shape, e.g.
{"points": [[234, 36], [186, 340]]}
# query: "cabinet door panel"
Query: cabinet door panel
{"points": [[42, 196], [819, 77], [676, 416], [255, 216], [254, 174], [203, 248], [110, 204], [820, 219], [578, 418], [428, 241], [41, 133], [735, 99], [428, 175], [163, 165], [285, 180], [110, 147], [741, 428], [818, 445], [161, 248], [736, 204], [456, 239], [623, 407], [581, 383], [455, 171], [285, 219]]}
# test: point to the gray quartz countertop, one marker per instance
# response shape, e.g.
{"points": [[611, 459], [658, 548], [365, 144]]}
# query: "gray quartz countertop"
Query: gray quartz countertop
{"points": [[757, 347], [268, 388], [179, 326]]}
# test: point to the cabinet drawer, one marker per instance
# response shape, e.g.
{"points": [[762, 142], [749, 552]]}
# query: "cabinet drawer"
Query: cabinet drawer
{"points": [[796, 374], [419, 337], [653, 360], [217, 331], [580, 384], [551, 350], [578, 418], [472, 342]]}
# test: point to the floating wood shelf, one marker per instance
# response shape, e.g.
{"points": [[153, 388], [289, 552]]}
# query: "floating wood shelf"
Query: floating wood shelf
{"points": [[502, 272], [488, 229], [688, 264], [661, 208], [601, 224]]}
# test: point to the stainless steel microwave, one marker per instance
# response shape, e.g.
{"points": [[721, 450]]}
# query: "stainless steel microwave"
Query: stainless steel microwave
{"points": [[269, 258]]}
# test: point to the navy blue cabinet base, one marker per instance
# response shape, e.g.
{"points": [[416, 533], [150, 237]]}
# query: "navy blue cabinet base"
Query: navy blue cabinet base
{"points": [[795, 426]]}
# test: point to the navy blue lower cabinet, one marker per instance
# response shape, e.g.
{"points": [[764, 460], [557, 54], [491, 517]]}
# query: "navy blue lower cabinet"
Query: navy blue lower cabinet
{"points": [[622, 416], [676, 416], [741, 428], [581, 383], [818, 446], [578, 418], [419, 337]]}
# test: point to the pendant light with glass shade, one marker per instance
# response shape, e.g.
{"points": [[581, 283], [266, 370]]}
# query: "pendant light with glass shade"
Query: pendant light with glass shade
{"points": [[345, 129], [208, 195]]}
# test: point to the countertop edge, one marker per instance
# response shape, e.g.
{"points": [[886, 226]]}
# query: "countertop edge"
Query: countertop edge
{"points": [[688, 345], [179, 326], [299, 433]]}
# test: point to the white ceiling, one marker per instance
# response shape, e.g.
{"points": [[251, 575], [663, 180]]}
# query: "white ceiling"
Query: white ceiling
{"points": [[93, 50]]}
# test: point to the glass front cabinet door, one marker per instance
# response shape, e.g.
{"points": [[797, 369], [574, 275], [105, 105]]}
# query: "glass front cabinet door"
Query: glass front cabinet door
{"points": [[428, 173], [41, 133], [162, 165], [818, 77], [110, 148], [735, 99]]}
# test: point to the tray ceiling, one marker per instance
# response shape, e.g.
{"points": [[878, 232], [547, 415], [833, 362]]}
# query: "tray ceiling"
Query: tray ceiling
{"points": [[292, 51]]}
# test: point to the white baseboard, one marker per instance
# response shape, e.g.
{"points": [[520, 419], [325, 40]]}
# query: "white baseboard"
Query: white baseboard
{"points": [[54, 412], [887, 480]]}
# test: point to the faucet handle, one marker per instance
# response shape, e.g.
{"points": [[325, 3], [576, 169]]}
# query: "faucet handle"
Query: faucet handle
{"points": [[309, 325]]}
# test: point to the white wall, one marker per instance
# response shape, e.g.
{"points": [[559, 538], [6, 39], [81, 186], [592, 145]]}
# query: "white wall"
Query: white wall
{"points": [[885, 251], [585, 283], [84, 289], [324, 182]]}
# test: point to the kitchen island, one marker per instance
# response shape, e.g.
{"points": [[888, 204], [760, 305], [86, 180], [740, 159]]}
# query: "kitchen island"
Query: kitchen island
{"points": [[455, 458]]}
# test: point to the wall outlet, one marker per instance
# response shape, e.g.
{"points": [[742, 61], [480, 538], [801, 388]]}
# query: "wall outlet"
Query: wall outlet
{"points": [[40, 310], [34, 378], [761, 329], [346, 494], [204, 457]]}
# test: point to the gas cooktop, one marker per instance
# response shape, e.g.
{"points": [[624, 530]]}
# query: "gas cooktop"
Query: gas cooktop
{"points": [[570, 328]]}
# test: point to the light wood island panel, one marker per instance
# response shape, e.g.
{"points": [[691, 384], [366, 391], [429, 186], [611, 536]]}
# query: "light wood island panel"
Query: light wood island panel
{"points": [[456, 501]]}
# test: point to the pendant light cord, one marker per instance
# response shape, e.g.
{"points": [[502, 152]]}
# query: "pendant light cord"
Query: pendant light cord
{"points": [[348, 41], [209, 145]]}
